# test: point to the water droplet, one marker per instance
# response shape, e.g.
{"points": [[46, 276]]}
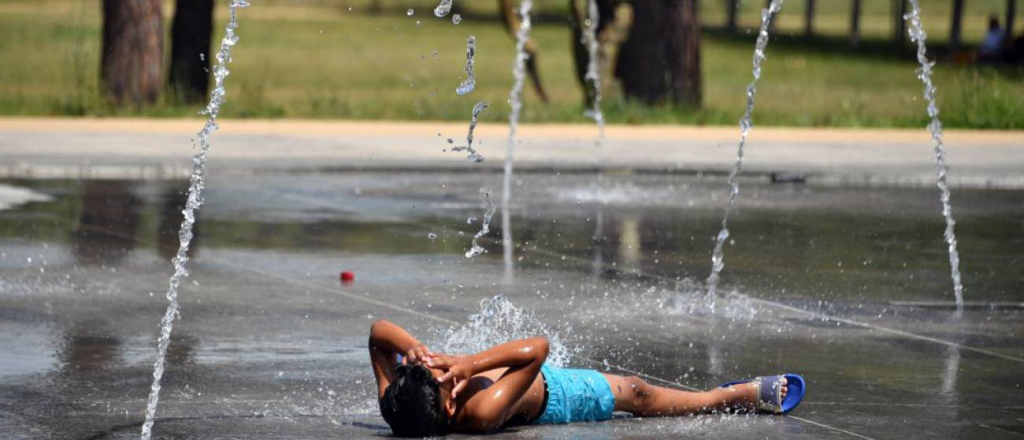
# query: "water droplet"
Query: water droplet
{"points": [[410, 12], [456, 19], [469, 83], [443, 8], [432, 236], [466, 86]]}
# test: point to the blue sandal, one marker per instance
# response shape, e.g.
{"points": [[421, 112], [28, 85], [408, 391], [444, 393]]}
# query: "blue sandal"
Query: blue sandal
{"points": [[769, 393]]}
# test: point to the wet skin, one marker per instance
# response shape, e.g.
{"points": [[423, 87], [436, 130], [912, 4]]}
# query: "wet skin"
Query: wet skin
{"points": [[632, 395]]}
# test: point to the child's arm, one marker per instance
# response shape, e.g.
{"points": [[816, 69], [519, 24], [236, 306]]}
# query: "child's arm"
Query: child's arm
{"points": [[387, 340], [492, 407]]}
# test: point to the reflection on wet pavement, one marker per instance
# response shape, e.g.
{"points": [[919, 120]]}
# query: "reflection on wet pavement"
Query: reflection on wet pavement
{"points": [[271, 345]]}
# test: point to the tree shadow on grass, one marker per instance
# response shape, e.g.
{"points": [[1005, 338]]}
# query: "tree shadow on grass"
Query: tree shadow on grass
{"points": [[875, 49]]}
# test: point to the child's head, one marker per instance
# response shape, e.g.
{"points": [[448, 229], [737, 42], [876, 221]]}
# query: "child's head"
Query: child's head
{"points": [[415, 405]]}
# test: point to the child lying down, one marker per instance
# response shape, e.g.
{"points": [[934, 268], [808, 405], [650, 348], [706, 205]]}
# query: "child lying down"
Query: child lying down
{"points": [[424, 394]]}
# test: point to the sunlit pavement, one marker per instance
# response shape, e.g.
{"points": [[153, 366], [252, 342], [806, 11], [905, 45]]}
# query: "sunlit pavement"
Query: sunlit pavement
{"points": [[146, 148]]}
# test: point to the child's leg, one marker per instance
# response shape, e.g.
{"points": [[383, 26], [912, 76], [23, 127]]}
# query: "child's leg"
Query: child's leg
{"points": [[634, 395]]}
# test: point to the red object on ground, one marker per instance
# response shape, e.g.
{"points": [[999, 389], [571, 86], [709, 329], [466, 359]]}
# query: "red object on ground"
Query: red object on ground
{"points": [[348, 277]]}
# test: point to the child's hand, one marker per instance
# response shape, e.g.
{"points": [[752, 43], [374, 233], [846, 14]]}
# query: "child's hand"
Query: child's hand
{"points": [[458, 369], [417, 354]]}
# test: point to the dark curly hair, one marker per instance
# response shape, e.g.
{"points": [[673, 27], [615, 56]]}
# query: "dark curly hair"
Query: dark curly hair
{"points": [[412, 404]]}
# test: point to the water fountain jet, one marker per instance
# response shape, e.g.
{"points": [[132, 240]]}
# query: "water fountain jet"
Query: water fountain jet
{"points": [[918, 35], [515, 100], [195, 200], [746, 123]]}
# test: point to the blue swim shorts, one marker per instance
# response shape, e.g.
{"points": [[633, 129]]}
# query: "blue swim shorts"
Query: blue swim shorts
{"points": [[576, 396]]}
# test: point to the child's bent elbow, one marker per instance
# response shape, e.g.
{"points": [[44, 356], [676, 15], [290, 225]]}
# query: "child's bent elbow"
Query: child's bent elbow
{"points": [[378, 327], [542, 346]]}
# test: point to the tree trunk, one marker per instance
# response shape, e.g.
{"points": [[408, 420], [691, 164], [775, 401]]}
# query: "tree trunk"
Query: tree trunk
{"points": [[731, 13], [189, 77], [580, 51], [809, 19], [660, 60], [955, 26], [510, 16], [855, 23], [131, 69], [1011, 12], [899, 31], [578, 14]]}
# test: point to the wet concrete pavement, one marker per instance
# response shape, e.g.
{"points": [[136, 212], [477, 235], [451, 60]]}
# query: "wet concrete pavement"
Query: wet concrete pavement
{"points": [[271, 345]]}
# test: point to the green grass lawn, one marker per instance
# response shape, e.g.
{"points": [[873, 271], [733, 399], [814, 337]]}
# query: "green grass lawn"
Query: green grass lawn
{"points": [[318, 59]]}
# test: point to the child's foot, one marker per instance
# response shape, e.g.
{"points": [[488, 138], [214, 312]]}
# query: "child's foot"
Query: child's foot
{"points": [[743, 397]]}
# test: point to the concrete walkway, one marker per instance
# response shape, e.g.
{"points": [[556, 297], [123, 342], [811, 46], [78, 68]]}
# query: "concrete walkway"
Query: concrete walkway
{"points": [[144, 148]]}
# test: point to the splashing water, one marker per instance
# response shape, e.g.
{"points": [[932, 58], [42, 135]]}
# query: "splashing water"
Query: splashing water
{"points": [[443, 8], [500, 321], [683, 297], [918, 35], [473, 155], [485, 225], [593, 66], [195, 200], [515, 99], [467, 85], [717, 257]]}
